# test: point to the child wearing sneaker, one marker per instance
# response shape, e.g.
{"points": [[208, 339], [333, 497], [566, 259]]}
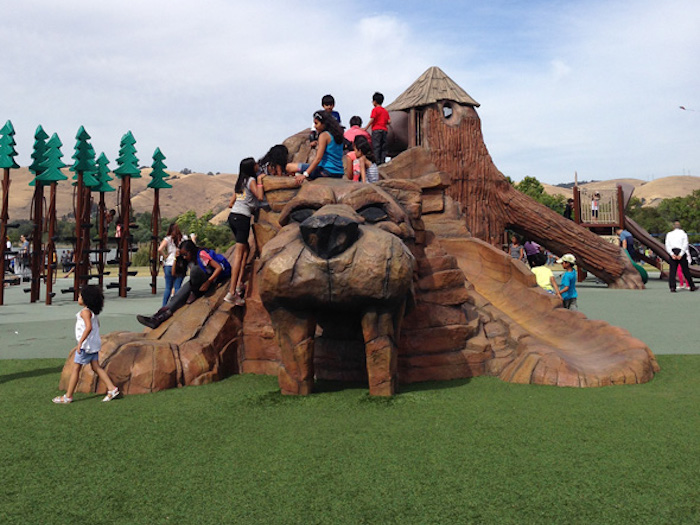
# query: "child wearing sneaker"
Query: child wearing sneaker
{"points": [[87, 334]]}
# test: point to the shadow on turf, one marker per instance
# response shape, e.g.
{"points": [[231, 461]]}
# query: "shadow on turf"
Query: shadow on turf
{"points": [[31, 373], [275, 397]]}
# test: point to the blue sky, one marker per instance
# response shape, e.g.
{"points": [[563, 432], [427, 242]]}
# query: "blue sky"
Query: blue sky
{"points": [[587, 86]]}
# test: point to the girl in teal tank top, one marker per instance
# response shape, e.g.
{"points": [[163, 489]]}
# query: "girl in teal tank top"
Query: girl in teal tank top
{"points": [[329, 156]]}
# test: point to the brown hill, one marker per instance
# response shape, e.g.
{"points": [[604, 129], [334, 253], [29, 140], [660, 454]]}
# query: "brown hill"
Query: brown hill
{"points": [[196, 191]]}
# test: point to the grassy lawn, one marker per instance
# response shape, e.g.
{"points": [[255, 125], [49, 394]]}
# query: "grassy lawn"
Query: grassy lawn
{"points": [[469, 451]]}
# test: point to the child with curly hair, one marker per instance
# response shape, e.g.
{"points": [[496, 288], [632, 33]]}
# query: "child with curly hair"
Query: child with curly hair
{"points": [[87, 333]]}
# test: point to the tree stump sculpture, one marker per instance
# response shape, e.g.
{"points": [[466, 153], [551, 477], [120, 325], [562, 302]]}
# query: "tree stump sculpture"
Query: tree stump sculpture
{"points": [[443, 122]]}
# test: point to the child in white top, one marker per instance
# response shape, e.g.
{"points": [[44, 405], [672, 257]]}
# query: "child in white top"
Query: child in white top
{"points": [[87, 334]]}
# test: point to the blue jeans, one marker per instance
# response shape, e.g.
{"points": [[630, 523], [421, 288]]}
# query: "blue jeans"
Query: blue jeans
{"points": [[170, 281]]}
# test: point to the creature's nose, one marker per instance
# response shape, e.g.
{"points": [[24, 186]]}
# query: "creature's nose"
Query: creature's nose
{"points": [[328, 235]]}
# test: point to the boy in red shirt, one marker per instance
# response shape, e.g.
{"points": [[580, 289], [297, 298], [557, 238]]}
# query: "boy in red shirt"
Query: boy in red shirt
{"points": [[379, 121]]}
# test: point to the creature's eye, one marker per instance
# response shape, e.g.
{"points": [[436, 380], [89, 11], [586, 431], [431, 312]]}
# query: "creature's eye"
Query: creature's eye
{"points": [[373, 213], [301, 214]]}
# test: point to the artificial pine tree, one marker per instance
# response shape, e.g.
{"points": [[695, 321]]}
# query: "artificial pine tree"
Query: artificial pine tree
{"points": [[83, 167], [103, 178], [128, 169], [50, 174], [7, 162], [158, 176]]}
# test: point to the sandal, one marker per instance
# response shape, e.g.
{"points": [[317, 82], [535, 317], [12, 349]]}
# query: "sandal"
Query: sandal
{"points": [[62, 400], [111, 394]]}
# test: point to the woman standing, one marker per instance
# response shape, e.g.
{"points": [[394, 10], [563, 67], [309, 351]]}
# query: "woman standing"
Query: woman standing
{"points": [[168, 250]]}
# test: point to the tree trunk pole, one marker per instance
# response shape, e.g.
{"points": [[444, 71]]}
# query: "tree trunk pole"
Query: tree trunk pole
{"points": [[51, 245], [78, 256], [124, 240], [102, 233], [37, 253], [4, 218], [154, 240]]}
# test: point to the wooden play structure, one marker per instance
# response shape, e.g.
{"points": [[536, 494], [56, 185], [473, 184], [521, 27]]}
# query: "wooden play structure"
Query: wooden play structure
{"points": [[394, 282], [438, 116], [90, 177]]}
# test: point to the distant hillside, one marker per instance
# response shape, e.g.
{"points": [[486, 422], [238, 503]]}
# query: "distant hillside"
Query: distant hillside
{"points": [[195, 191], [201, 193]]}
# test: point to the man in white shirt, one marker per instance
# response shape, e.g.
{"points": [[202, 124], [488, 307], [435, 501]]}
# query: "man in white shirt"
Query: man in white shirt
{"points": [[677, 248]]}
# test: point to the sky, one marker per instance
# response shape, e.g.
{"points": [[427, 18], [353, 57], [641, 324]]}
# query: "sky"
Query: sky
{"points": [[586, 86]]}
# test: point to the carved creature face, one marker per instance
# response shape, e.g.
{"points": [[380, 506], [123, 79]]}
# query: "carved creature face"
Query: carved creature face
{"points": [[342, 246]]}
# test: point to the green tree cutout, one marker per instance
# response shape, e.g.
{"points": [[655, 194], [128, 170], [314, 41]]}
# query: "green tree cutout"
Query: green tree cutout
{"points": [[38, 153], [52, 164], [127, 160], [84, 158], [7, 146], [102, 174], [158, 175]]}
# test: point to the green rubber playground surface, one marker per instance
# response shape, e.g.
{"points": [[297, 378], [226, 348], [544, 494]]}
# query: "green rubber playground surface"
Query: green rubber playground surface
{"points": [[476, 450]]}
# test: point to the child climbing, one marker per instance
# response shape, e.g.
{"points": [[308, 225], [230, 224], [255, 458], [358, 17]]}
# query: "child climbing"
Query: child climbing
{"points": [[379, 122], [207, 268], [567, 289], [369, 172], [329, 155], [328, 103], [275, 161], [245, 200], [87, 334], [543, 275]]}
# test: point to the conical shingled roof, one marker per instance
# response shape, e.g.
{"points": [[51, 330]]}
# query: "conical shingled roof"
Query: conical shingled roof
{"points": [[432, 86]]}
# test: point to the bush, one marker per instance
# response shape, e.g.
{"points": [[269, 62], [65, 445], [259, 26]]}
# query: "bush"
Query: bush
{"points": [[142, 256]]}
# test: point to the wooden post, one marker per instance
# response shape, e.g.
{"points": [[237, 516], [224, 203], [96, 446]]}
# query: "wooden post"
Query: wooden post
{"points": [[51, 245], [124, 240], [154, 241], [37, 253], [102, 234], [78, 254], [4, 218], [620, 207], [577, 205], [412, 128]]}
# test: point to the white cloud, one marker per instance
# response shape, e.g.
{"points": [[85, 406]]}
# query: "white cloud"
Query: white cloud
{"points": [[590, 86]]}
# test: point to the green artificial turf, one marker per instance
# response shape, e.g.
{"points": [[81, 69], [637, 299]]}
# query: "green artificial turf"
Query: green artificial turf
{"points": [[470, 451]]}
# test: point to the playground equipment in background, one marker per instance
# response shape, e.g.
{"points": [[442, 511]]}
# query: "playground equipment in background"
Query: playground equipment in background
{"points": [[7, 162], [656, 246], [90, 176], [158, 176]]}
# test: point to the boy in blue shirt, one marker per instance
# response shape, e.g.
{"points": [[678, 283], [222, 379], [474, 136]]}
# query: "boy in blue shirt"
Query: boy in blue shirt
{"points": [[567, 289]]}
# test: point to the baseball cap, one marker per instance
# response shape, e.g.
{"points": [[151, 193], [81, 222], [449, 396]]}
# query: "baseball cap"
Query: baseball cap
{"points": [[568, 258]]}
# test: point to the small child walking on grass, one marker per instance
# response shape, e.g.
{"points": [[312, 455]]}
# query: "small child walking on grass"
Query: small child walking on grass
{"points": [[87, 333]]}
